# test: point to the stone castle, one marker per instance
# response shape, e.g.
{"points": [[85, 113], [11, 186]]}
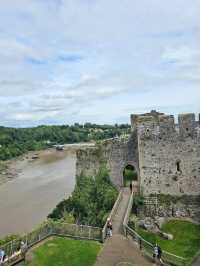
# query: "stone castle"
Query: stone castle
{"points": [[165, 155]]}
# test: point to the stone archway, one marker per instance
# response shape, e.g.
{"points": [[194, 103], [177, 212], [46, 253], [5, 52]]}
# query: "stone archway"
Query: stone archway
{"points": [[129, 175]]}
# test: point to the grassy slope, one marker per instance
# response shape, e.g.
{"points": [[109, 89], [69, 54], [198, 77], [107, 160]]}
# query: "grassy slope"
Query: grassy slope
{"points": [[65, 252], [186, 242]]}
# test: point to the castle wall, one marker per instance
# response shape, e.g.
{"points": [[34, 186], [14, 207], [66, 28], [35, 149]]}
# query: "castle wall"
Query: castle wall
{"points": [[169, 160], [171, 206], [166, 156], [116, 153]]}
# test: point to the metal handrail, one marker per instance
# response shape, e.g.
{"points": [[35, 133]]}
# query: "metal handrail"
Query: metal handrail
{"points": [[141, 241], [15, 252], [112, 213]]}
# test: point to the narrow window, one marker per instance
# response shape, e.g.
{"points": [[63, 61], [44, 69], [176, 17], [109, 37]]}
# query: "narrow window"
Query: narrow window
{"points": [[178, 167]]}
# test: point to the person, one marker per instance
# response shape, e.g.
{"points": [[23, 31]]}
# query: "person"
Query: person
{"points": [[160, 254], [109, 227], [155, 252], [140, 243], [2, 255], [131, 187], [23, 248]]}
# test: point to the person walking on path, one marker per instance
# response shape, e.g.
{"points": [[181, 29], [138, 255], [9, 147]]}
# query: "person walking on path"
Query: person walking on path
{"points": [[157, 254], [131, 187], [109, 227], [160, 255]]}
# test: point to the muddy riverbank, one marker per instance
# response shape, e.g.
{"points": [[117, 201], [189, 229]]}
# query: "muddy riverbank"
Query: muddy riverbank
{"points": [[11, 169], [38, 182]]}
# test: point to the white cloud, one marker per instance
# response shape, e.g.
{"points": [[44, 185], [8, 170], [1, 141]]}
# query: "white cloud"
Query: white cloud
{"points": [[62, 59], [183, 56]]}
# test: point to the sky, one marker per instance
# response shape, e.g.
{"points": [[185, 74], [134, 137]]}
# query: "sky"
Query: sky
{"points": [[67, 61]]}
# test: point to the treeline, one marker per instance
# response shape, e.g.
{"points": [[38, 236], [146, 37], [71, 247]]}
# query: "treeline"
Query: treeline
{"points": [[91, 201], [16, 141]]}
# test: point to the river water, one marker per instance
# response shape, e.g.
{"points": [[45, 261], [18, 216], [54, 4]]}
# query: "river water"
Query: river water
{"points": [[40, 185]]}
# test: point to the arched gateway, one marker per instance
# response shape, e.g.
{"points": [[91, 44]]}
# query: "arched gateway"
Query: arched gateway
{"points": [[129, 175], [118, 155]]}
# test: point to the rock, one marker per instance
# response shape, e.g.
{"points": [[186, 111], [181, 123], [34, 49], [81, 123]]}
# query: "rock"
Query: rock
{"points": [[166, 236], [141, 224], [159, 221], [147, 223]]}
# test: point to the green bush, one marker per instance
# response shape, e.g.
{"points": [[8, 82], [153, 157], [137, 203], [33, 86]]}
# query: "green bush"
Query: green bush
{"points": [[91, 201]]}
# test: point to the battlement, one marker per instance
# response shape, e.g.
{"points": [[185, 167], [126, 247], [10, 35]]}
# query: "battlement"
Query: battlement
{"points": [[166, 124], [144, 119], [187, 124], [159, 123]]}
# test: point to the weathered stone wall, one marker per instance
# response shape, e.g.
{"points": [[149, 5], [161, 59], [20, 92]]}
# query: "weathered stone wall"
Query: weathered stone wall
{"points": [[166, 156], [186, 207], [116, 153], [169, 159]]}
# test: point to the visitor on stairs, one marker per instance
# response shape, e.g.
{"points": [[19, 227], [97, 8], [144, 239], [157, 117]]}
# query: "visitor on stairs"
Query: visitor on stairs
{"points": [[160, 254], [109, 227], [157, 254]]}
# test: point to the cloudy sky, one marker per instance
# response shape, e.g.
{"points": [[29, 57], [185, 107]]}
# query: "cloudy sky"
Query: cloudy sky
{"points": [[66, 61]]}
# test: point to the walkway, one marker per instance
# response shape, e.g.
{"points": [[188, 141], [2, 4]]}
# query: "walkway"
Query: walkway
{"points": [[196, 261], [118, 248]]}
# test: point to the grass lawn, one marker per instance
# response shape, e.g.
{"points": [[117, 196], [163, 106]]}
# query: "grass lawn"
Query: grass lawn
{"points": [[186, 242], [65, 252]]}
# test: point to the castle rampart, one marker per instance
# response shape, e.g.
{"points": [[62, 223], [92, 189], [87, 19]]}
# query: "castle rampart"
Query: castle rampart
{"points": [[116, 153], [166, 155]]}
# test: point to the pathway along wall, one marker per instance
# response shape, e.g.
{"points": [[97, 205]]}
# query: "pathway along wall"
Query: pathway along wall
{"points": [[116, 153]]}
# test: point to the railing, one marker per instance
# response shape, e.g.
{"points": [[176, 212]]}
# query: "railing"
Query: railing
{"points": [[128, 212], [111, 215], [146, 247], [15, 251]]}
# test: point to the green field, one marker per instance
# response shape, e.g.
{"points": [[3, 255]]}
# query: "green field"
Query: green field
{"points": [[186, 242], [64, 252]]}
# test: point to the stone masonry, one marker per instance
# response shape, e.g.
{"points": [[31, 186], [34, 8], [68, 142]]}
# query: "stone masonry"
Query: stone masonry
{"points": [[165, 155]]}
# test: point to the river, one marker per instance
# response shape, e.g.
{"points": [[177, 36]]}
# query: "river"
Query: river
{"points": [[40, 184]]}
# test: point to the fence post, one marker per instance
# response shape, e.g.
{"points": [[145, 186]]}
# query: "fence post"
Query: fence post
{"points": [[102, 235], [89, 232], [26, 240], [11, 247], [125, 231]]}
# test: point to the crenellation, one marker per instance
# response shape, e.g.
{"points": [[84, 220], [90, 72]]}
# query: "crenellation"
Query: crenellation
{"points": [[187, 125], [166, 125]]}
